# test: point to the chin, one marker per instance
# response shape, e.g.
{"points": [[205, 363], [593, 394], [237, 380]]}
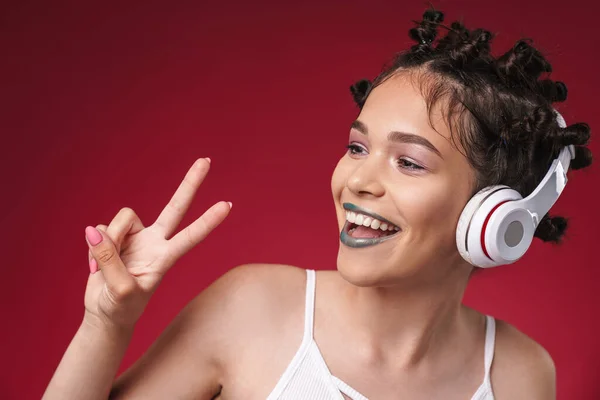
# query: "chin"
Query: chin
{"points": [[359, 273], [388, 268]]}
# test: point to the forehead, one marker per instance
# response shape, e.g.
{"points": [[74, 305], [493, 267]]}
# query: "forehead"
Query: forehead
{"points": [[398, 105]]}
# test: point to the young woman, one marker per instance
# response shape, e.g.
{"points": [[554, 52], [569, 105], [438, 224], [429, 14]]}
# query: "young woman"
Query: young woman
{"points": [[445, 120]]}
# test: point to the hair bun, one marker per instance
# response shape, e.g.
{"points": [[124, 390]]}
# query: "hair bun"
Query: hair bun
{"points": [[577, 134], [551, 229], [457, 34], [426, 31], [522, 46], [475, 44], [583, 158], [434, 16], [360, 90], [553, 91], [484, 36], [523, 58]]}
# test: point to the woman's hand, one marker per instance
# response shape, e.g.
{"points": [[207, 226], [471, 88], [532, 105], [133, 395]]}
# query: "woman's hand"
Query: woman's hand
{"points": [[131, 259]]}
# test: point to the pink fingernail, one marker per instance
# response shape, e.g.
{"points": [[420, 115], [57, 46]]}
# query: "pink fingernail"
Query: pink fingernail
{"points": [[207, 159], [93, 266], [230, 204], [93, 236]]}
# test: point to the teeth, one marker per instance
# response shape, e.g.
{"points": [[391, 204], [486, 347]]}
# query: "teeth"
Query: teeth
{"points": [[360, 219], [351, 217]]}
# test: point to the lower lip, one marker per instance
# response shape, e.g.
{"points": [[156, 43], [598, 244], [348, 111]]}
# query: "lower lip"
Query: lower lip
{"points": [[356, 243]]}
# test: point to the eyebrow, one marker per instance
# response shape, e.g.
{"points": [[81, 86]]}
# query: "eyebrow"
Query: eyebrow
{"points": [[402, 137]]}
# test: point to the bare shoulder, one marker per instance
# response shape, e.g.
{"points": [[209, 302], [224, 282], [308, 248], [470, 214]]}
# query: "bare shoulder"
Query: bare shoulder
{"points": [[522, 368], [252, 289], [250, 285], [252, 302]]}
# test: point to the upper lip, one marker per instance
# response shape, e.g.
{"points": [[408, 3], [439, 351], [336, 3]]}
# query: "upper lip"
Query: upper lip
{"points": [[355, 208]]}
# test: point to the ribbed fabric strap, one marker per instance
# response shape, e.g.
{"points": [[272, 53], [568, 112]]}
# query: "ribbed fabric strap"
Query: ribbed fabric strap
{"points": [[309, 313], [490, 344]]}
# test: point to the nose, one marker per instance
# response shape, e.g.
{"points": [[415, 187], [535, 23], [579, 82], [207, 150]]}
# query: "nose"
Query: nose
{"points": [[365, 178]]}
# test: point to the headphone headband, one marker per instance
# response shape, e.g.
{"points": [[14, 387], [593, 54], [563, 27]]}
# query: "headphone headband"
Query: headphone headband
{"points": [[550, 188]]}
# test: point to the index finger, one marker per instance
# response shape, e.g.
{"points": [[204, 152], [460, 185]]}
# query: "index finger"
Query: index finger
{"points": [[173, 213], [199, 229]]}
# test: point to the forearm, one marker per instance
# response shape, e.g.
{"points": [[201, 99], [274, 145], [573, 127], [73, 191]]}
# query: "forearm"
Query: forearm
{"points": [[88, 367]]}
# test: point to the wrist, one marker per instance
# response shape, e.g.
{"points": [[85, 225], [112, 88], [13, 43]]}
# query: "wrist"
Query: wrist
{"points": [[93, 326]]}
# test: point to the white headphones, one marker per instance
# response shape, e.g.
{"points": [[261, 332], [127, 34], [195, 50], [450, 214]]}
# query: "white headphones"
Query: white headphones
{"points": [[497, 225]]}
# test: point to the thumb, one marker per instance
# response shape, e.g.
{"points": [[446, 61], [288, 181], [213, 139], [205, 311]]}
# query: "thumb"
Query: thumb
{"points": [[109, 262]]}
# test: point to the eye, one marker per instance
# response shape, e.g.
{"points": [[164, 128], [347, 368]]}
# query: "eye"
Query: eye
{"points": [[355, 149], [404, 163]]}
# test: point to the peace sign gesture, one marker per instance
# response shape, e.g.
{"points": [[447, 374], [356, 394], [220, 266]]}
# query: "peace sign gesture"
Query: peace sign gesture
{"points": [[128, 260]]}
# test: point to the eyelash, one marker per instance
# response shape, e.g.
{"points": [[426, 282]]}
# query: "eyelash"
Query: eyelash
{"points": [[354, 149]]}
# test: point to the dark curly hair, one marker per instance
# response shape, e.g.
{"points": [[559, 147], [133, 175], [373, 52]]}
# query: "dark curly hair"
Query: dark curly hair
{"points": [[500, 109]]}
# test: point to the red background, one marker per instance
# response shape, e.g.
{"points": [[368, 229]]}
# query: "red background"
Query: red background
{"points": [[107, 105]]}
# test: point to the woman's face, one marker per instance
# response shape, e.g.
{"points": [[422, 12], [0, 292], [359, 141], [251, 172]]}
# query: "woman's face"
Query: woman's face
{"points": [[401, 169]]}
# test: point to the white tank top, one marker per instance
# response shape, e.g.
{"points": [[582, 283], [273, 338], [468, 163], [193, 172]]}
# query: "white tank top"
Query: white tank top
{"points": [[307, 377]]}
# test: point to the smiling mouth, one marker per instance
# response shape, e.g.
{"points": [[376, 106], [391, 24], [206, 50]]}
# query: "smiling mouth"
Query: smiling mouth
{"points": [[365, 228]]}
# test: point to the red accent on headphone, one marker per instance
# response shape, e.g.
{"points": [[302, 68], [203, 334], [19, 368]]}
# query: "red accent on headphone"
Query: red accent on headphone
{"points": [[485, 226]]}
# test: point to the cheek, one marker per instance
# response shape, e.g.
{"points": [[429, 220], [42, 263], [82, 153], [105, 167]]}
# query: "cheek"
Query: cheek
{"points": [[338, 179], [435, 206]]}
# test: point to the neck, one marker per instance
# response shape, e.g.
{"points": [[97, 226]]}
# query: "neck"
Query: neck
{"points": [[406, 321]]}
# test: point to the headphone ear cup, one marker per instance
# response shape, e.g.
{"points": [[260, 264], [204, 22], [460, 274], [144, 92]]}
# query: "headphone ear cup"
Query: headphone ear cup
{"points": [[481, 233], [465, 219], [471, 230], [509, 232]]}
